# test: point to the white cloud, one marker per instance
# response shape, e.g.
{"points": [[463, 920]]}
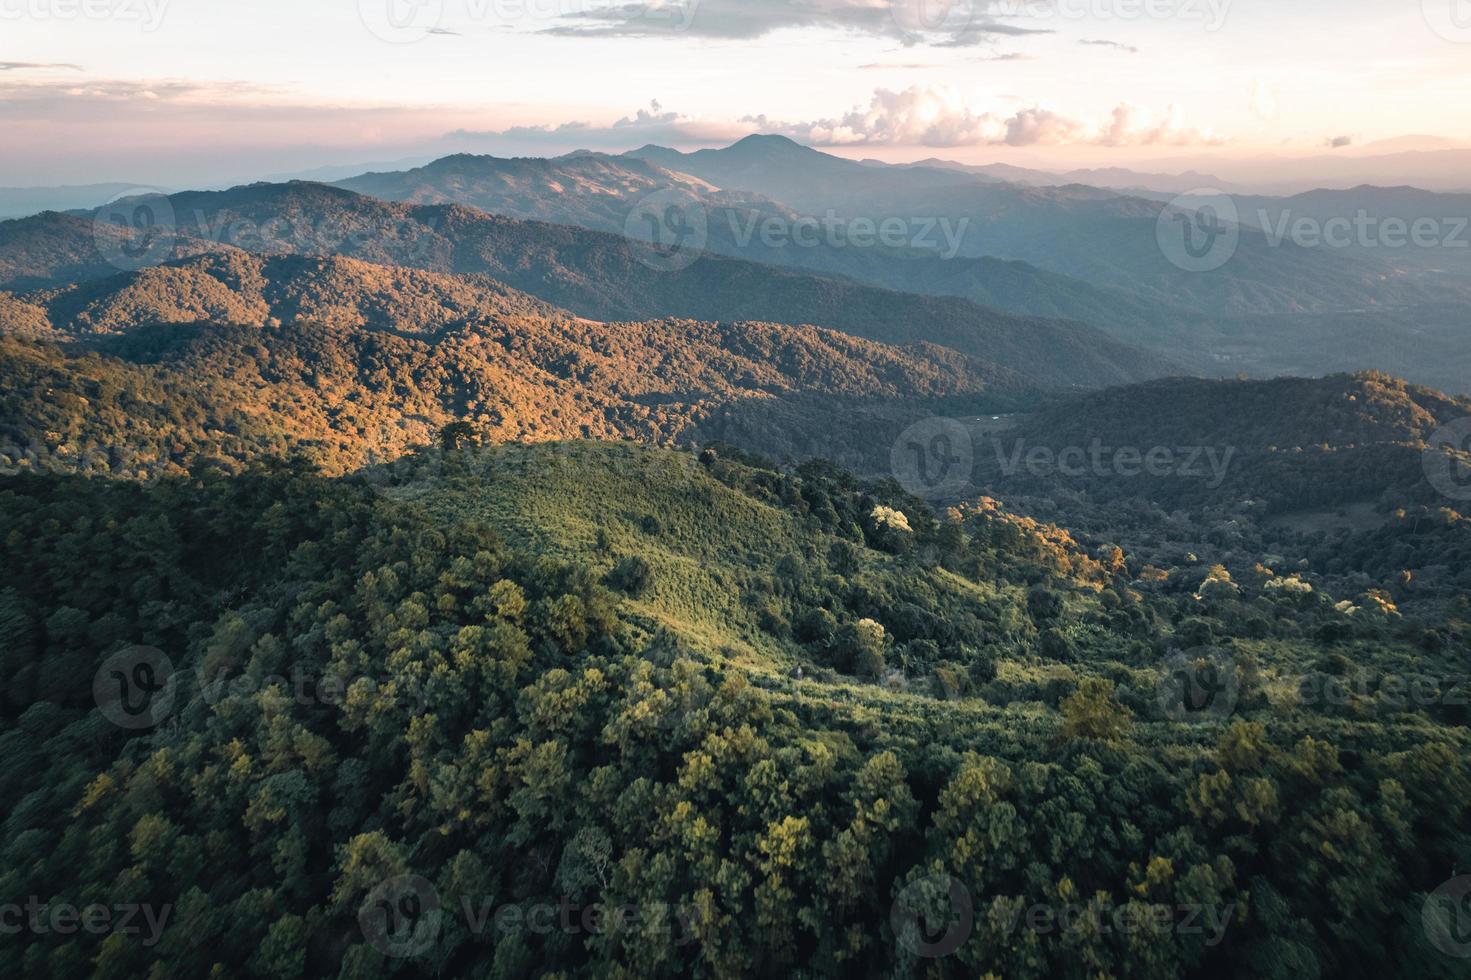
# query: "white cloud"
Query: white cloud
{"points": [[920, 116], [651, 125], [1131, 126]]}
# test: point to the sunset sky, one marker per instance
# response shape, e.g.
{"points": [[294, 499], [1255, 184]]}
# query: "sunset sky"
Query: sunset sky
{"points": [[202, 91]]}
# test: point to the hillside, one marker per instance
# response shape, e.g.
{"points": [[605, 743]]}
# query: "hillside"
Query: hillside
{"points": [[606, 277], [240, 356], [1284, 414], [588, 191], [746, 704], [238, 287], [52, 249], [1287, 443]]}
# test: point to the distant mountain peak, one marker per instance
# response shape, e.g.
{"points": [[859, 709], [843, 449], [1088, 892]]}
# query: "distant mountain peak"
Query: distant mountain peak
{"points": [[767, 141]]}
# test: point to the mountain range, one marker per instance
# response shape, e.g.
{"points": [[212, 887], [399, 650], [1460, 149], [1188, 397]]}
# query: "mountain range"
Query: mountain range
{"points": [[455, 540], [1064, 251], [596, 275]]}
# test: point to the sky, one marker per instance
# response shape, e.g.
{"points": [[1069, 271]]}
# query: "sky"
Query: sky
{"points": [[198, 92]]}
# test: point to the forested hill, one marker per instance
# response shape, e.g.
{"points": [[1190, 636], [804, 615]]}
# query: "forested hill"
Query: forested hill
{"points": [[1276, 445], [598, 275], [162, 398], [775, 715], [1281, 414], [242, 288]]}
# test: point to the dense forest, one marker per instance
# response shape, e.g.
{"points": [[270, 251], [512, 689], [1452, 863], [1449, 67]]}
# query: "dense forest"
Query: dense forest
{"points": [[597, 709]]}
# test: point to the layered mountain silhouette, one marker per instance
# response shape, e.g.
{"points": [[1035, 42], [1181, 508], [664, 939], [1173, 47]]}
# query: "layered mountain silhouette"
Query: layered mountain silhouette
{"points": [[1066, 250], [597, 275]]}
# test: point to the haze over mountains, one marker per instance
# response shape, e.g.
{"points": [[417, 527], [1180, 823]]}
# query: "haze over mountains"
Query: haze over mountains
{"points": [[1071, 251]]}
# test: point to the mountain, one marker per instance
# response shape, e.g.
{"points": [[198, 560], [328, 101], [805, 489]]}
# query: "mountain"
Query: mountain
{"points": [[601, 276], [602, 193], [1337, 309], [1105, 238], [1113, 178], [51, 249], [803, 178], [1123, 179], [237, 356], [588, 191], [380, 692], [1378, 222], [1277, 445]]}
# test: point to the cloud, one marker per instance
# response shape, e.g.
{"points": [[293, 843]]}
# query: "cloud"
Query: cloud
{"points": [[921, 116], [1338, 142], [910, 67], [947, 23], [1265, 100], [30, 65], [1041, 127], [916, 116], [651, 125], [85, 100], [1117, 45], [1132, 126]]}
